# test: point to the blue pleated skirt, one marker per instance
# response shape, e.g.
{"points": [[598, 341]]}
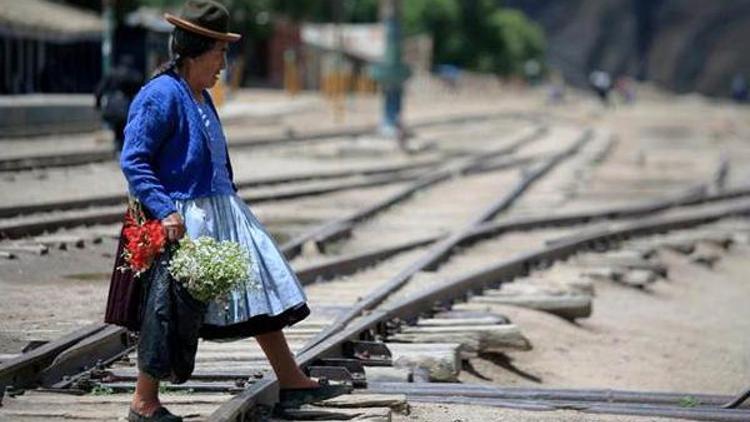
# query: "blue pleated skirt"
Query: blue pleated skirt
{"points": [[276, 301]]}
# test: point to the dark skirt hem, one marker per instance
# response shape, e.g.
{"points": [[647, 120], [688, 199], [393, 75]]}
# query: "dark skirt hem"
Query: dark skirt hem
{"points": [[257, 325]]}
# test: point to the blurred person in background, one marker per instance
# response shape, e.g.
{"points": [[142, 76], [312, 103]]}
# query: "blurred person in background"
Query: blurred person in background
{"points": [[556, 88], [601, 83], [114, 93], [740, 89], [625, 88], [449, 74]]}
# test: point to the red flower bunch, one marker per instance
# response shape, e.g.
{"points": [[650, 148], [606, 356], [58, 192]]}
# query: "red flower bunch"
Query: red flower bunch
{"points": [[144, 239]]}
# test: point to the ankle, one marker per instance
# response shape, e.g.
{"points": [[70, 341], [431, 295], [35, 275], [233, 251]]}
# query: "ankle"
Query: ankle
{"points": [[145, 407]]}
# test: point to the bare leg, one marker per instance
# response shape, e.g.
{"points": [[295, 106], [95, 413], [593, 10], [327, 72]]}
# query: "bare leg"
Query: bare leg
{"points": [[146, 397], [277, 351]]}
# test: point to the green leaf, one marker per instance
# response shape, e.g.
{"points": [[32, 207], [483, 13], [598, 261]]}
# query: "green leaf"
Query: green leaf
{"points": [[688, 401]]}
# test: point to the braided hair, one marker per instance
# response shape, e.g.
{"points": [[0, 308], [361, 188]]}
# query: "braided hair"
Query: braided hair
{"points": [[183, 44]]}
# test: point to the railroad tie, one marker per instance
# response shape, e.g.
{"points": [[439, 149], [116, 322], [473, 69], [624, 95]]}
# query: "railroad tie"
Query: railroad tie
{"points": [[374, 414], [565, 300], [428, 362], [30, 248], [473, 338], [369, 407]]}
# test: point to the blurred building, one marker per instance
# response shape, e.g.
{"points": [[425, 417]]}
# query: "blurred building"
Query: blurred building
{"points": [[344, 49], [144, 36], [320, 50], [48, 47]]}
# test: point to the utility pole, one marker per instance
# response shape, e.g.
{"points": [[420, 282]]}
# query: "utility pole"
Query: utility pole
{"points": [[391, 73], [339, 90], [109, 29]]}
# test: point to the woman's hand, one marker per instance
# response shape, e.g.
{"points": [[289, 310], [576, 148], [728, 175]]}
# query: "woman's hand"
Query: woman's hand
{"points": [[174, 227]]}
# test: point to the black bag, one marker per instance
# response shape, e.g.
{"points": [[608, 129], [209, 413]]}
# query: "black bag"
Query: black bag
{"points": [[172, 319], [116, 105], [125, 298]]}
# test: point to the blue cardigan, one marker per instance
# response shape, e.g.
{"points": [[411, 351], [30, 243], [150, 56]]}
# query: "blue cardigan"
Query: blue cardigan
{"points": [[166, 155]]}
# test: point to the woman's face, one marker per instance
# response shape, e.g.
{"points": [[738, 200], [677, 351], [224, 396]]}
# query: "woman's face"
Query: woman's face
{"points": [[205, 69]]}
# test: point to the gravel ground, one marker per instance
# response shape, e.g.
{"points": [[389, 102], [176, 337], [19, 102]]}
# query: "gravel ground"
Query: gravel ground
{"points": [[685, 334], [688, 334], [465, 413]]}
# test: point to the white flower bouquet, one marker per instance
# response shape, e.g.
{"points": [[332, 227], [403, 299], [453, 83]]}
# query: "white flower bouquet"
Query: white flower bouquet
{"points": [[210, 269]]}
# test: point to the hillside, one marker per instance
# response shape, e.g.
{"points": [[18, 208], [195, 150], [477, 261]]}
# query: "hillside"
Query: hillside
{"points": [[683, 45]]}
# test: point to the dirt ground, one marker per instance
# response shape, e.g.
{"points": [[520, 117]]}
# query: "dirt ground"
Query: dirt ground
{"points": [[690, 333], [687, 334], [465, 413], [44, 297]]}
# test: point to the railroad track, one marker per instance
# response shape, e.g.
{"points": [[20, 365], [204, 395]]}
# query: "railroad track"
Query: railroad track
{"points": [[420, 302], [77, 158], [337, 175], [417, 317], [30, 220], [25, 221]]}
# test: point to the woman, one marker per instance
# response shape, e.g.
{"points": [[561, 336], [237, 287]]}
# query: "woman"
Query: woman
{"points": [[176, 164]]}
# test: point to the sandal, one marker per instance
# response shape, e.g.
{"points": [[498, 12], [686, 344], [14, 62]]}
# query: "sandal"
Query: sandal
{"points": [[160, 415], [296, 397]]}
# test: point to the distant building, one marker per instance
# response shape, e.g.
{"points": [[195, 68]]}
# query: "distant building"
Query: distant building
{"points": [[315, 49], [48, 47], [359, 46], [144, 35]]}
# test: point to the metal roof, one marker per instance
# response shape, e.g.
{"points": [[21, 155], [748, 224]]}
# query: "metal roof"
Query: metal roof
{"points": [[149, 18], [48, 21], [364, 41]]}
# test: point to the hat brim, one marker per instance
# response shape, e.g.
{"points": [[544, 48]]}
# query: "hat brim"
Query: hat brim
{"points": [[189, 26]]}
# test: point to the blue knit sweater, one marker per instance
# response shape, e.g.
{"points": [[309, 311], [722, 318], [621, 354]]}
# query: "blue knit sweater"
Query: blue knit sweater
{"points": [[166, 153]]}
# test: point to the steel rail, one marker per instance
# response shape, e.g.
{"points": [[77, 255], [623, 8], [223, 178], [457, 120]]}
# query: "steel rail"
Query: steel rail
{"points": [[31, 358], [25, 369], [348, 264], [341, 227], [352, 263], [359, 130], [594, 395], [113, 213], [457, 288], [324, 233], [494, 275], [117, 199], [87, 157], [686, 199], [55, 160], [20, 372], [715, 414], [462, 166], [737, 400], [440, 251], [648, 403]]}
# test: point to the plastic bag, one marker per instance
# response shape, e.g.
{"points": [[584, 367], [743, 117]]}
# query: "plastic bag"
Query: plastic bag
{"points": [[172, 319]]}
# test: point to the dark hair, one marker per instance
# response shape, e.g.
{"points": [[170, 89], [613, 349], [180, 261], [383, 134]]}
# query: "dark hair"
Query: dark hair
{"points": [[184, 44]]}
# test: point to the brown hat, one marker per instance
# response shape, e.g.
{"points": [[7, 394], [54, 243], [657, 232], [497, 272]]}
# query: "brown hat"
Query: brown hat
{"points": [[205, 17]]}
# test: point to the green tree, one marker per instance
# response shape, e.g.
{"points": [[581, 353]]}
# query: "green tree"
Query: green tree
{"points": [[476, 34], [521, 39], [440, 19], [473, 34]]}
